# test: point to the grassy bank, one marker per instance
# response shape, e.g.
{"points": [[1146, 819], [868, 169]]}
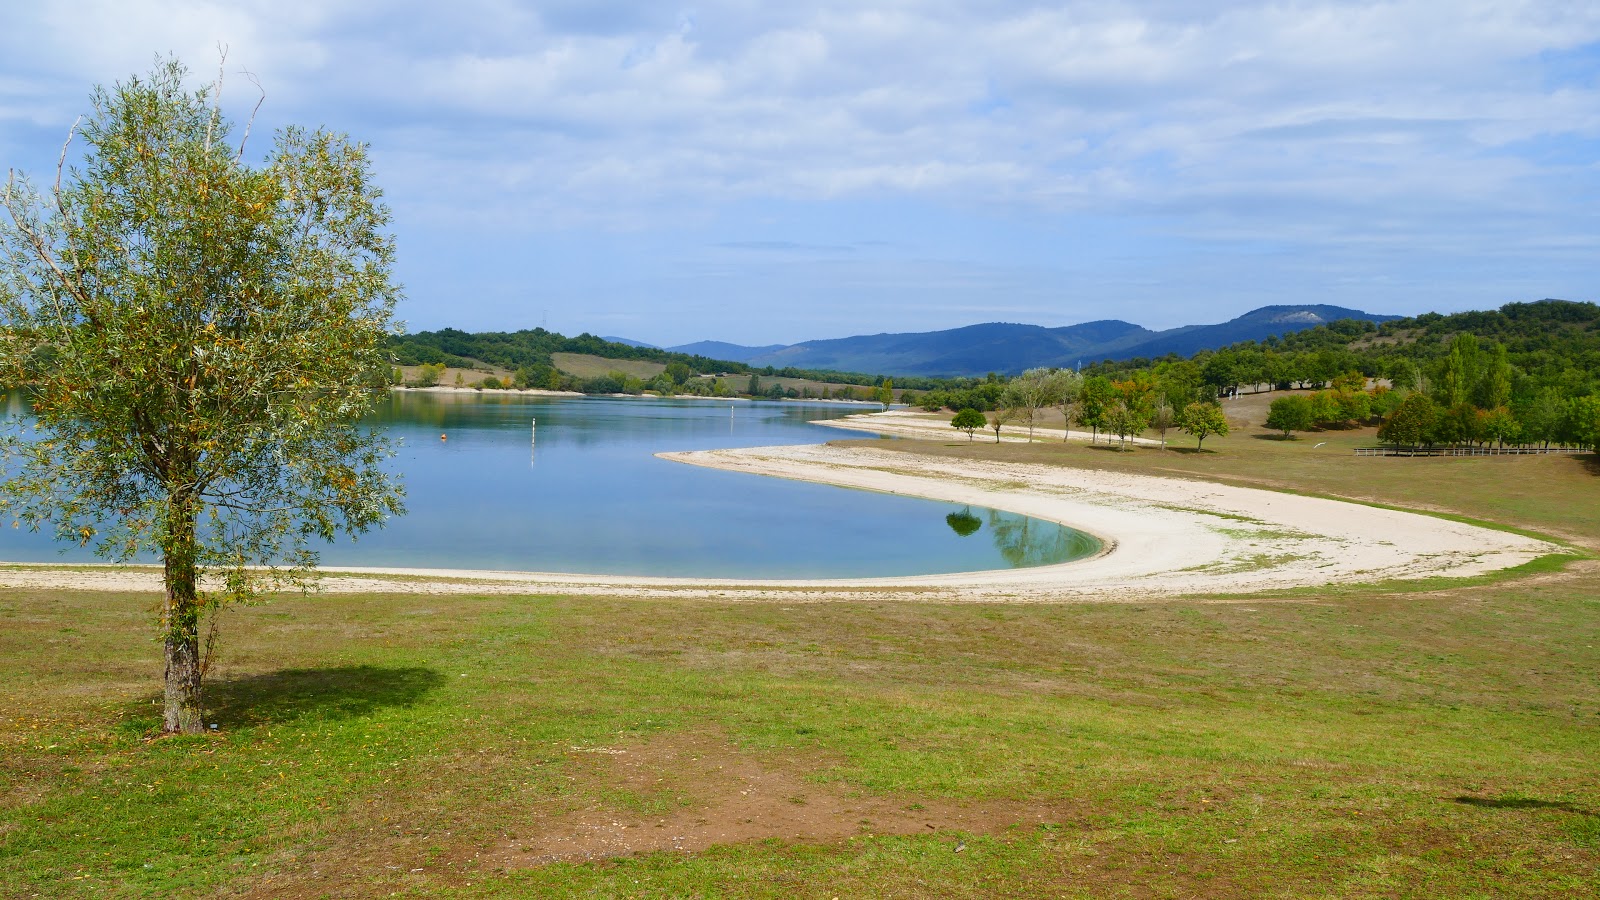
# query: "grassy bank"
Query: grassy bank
{"points": [[1364, 742]]}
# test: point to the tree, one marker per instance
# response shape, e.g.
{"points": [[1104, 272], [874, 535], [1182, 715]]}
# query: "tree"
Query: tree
{"points": [[198, 336], [1412, 423], [1289, 414], [678, 371], [1202, 420], [1030, 392], [1124, 419], [1065, 386], [1458, 371], [1582, 423], [886, 393], [428, 374], [968, 420], [1162, 418], [998, 418], [1094, 401], [1494, 387]]}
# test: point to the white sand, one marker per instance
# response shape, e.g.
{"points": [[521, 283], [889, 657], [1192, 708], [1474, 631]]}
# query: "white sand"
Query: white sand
{"points": [[1163, 537], [914, 423]]}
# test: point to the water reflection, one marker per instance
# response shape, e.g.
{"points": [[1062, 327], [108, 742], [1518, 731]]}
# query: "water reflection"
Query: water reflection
{"points": [[591, 496], [963, 522], [1023, 541]]}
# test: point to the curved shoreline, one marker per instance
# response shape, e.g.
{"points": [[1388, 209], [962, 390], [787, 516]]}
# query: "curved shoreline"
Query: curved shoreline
{"points": [[1160, 537]]}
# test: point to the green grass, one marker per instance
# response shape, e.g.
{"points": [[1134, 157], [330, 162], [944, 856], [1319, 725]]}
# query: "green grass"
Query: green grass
{"points": [[584, 365], [1431, 739]]}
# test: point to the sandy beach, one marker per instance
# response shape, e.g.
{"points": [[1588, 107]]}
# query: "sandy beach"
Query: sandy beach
{"points": [[1163, 537], [914, 423]]}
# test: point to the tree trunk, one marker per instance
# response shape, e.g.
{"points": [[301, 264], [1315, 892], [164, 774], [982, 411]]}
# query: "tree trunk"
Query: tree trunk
{"points": [[183, 712]]}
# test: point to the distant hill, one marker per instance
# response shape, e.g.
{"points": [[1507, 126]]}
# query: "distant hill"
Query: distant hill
{"points": [[1007, 348], [1252, 326], [724, 350], [627, 342]]}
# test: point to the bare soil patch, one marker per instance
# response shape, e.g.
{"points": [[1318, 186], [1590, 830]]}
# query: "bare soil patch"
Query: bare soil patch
{"points": [[701, 790]]}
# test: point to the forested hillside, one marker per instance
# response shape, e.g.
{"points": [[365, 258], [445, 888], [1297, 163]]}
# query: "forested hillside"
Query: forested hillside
{"points": [[530, 354], [1527, 373]]}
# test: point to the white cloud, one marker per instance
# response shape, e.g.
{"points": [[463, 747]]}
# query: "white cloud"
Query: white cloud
{"points": [[1320, 123]]}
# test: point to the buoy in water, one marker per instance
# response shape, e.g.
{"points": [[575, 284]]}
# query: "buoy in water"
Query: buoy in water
{"points": [[443, 438]]}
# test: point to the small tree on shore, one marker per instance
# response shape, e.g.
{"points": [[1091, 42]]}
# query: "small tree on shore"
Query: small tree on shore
{"points": [[1095, 397], [199, 339], [998, 419], [1289, 414], [968, 420], [1202, 420], [1162, 418], [1065, 386]]}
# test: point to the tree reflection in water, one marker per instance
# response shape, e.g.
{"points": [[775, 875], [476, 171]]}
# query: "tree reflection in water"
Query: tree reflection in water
{"points": [[964, 522], [1030, 542]]}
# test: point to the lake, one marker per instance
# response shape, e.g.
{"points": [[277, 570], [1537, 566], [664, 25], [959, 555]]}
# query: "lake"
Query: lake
{"points": [[583, 492]]}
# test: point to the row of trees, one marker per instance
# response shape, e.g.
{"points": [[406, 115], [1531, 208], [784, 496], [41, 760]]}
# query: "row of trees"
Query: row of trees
{"points": [[1342, 406], [1122, 408], [1472, 395]]}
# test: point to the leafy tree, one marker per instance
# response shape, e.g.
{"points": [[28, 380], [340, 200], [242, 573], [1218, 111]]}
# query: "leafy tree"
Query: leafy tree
{"points": [[1350, 382], [1162, 418], [199, 336], [1221, 372], [1202, 420], [968, 420], [537, 375], [1582, 425], [886, 393], [1403, 374], [679, 372], [428, 374], [1325, 409], [1125, 419], [1289, 414], [1353, 406], [1500, 426], [1494, 388], [754, 388], [1094, 401], [1458, 372], [1539, 418], [1412, 423], [1030, 392], [1065, 386]]}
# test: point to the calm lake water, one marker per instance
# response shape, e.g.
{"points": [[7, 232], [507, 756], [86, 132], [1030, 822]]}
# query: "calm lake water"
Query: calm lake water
{"points": [[588, 495]]}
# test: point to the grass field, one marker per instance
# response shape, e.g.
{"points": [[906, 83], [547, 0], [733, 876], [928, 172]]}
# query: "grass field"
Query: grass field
{"points": [[583, 365], [1427, 741]]}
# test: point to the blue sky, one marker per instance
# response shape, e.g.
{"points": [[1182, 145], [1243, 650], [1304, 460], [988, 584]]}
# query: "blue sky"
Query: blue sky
{"points": [[770, 173]]}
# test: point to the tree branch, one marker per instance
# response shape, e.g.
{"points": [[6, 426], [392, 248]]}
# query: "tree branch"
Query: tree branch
{"points": [[216, 96], [252, 120]]}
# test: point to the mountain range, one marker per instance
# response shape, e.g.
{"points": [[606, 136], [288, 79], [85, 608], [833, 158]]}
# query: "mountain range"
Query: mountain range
{"points": [[1008, 348]]}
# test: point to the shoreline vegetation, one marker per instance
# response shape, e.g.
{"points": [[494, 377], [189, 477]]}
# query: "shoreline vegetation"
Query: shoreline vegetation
{"points": [[544, 392]]}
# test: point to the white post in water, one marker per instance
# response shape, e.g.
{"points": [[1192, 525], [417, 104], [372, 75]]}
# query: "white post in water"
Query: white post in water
{"points": [[533, 440]]}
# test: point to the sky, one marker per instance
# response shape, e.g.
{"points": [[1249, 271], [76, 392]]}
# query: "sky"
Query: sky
{"points": [[770, 173]]}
